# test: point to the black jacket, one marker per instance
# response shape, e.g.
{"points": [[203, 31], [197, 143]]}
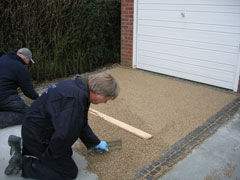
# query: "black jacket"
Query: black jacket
{"points": [[57, 119], [14, 74]]}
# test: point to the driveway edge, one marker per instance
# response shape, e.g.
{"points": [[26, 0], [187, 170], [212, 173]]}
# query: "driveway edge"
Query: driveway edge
{"points": [[183, 147]]}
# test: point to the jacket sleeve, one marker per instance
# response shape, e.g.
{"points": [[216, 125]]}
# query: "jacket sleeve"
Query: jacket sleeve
{"points": [[25, 83], [88, 137]]}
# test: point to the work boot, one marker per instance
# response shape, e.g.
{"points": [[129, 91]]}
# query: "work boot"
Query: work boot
{"points": [[15, 143], [15, 164]]}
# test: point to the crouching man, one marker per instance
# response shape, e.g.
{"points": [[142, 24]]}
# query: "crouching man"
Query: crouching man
{"points": [[14, 74], [54, 122]]}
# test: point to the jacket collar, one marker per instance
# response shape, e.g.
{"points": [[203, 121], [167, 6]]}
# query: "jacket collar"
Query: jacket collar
{"points": [[83, 80], [16, 57]]}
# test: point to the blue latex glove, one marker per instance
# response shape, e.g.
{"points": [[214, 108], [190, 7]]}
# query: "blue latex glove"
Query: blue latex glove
{"points": [[102, 145], [22, 99], [39, 95]]}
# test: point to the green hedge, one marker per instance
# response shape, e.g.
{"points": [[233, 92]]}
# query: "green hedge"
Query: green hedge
{"points": [[66, 37]]}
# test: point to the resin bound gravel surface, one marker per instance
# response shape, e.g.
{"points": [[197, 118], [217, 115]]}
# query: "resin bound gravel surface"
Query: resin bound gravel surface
{"points": [[167, 108]]}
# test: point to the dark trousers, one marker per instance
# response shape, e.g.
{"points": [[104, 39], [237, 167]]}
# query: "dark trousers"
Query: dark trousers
{"points": [[63, 168], [12, 111], [46, 168]]}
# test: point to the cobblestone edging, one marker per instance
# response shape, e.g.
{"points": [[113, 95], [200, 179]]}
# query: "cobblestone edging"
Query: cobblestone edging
{"points": [[184, 146]]}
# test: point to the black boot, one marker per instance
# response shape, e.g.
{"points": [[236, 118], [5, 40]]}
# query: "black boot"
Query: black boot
{"points": [[15, 164], [15, 143]]}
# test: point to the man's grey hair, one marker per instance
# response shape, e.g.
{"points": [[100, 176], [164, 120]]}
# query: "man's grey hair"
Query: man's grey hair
{"points": [[104, 84]]}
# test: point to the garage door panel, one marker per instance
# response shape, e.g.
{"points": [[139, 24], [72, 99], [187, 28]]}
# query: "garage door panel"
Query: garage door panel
{"points": [[184, 75], [187, 43], [193, 35], [196, 2], [191, 26], [190, 7], [194, 17], [197, 40], [193, 61], [189, 68], [224, 58]]}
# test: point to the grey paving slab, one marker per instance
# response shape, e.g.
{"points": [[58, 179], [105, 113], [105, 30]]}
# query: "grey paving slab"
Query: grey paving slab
{"points": [[5, 156], [217, 158]]}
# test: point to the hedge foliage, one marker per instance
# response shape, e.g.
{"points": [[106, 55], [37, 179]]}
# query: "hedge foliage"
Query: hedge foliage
{"points": [[66, 37]]}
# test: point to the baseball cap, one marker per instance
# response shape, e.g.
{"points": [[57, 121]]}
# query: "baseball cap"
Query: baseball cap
{"points": [[26, 52]]}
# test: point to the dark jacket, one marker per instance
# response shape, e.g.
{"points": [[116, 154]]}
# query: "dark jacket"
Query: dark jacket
{"points": [[57, 119], [14, 74]]}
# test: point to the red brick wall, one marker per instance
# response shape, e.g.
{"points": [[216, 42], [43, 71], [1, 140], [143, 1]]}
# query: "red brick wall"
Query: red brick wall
{"points": [[127, 7]]}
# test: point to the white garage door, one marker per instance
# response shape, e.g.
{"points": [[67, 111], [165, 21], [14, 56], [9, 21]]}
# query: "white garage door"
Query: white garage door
{"points": [[197, 40]]}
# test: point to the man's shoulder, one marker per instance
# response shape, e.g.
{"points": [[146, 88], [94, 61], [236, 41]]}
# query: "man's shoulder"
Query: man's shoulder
{"points": [[69, 88], [11, 59], [73, 84], [5, 57]]}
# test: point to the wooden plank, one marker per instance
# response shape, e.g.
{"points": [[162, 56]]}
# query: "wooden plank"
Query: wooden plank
{"points": [[122, 125]]}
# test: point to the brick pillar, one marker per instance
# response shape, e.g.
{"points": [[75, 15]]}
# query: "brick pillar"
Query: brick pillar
{"points": [[127, 7]]}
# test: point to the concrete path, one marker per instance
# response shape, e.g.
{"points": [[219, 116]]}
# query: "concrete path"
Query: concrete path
{"points": [[5, 156], [217, 158]]}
